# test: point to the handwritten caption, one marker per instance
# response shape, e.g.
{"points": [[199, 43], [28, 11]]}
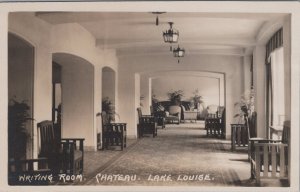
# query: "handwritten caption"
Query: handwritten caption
{"points": [[100, 177]]}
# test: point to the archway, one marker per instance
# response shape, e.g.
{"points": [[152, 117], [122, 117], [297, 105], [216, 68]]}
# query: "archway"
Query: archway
{"points": [[20, 96], [77, 97], [209, 85]]}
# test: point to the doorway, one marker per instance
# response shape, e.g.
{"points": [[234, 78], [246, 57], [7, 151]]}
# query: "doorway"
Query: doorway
{"points": [[20, 97]]}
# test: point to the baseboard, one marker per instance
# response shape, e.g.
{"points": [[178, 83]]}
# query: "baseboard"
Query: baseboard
{"points": [[89, 148], [131, 137]]}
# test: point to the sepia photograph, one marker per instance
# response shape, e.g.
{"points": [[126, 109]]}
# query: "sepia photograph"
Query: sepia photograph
{"points": [[150, 96]]}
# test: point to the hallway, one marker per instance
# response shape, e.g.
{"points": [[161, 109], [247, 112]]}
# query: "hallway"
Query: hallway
{"points": [[179, 155]]}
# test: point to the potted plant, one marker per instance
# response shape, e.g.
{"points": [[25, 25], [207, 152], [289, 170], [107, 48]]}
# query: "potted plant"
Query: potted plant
{"points": [[18, 115], [197, 100], [109, 108], [175, 97], [245, 106]]}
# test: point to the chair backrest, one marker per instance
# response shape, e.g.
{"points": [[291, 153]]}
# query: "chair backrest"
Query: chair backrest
{"points": [[286, 132], [221, 111], [250, 122], [151, 110], [139, 110], [212, 109], [48, 138], [104, 118], [174, 109]]}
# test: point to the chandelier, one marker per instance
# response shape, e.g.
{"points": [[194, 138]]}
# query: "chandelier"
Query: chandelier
{"points": [[171, 35], [178, 52]]}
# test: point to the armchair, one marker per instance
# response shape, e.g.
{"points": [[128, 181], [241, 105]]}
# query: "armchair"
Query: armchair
{"points": [[147, 124], [174, 114], [65, 155], [160, 117], [113, 134], [269, 157], [28, 167], [215, 121]]}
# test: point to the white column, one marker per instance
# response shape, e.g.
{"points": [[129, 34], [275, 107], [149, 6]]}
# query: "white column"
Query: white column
{"points": [[137, 95], [127, 100], [259, 70], [247, 72], [97, 102], [145, 91]]}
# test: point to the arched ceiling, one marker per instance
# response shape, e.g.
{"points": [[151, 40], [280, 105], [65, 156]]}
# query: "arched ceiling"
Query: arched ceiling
{"points": [[200, 33]]}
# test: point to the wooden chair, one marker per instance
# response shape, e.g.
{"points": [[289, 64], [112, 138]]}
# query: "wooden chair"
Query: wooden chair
{"points": [[65, 155], [113, 134], [239, 136], [215, 123], [160, 117], [18, 170], [147, 124], [268, 157]]}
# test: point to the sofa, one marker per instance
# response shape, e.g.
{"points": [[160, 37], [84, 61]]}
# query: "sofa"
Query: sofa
{"points": [[186, 113]]}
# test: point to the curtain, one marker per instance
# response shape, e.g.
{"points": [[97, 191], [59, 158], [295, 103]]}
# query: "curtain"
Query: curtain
{"points": [[275, 42]]}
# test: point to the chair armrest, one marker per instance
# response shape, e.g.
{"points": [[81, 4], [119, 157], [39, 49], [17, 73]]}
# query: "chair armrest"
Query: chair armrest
{"points": [[18, 165], [115, 127], [262, 140], [68, 142], [270, 144]]}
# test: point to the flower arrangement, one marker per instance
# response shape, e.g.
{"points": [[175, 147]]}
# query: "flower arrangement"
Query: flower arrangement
{"points": [[245, 105], [197, 99]]}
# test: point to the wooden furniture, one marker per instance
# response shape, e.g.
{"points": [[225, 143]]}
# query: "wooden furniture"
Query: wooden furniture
{"points": [[18, 169], [215, 124], [65, 155], [190, 115], [276, 130], [160, 117], [269, 157], [113, 134], [174, 114], [239, 136], [147, 124], [240, 132]]}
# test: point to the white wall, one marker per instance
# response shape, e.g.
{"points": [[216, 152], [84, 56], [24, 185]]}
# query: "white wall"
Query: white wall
{"points": [[74, 39], [77, 98], [231, 66], [37, 33], [208, 88], [63, 38], [108, 84]]}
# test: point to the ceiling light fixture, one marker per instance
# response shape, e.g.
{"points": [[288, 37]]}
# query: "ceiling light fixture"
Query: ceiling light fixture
{"points": [[157, 19], [178, 52], [171, 35]]}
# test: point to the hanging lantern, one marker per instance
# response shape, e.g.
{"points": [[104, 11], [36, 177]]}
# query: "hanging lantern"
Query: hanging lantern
{"points": [[171, 35], [178, 52]]}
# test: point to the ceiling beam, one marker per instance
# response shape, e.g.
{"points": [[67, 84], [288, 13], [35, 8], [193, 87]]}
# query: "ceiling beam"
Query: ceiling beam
{"points": [[236, 42]]}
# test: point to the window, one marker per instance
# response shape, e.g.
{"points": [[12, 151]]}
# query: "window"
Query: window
{"points": [[277, 73]]}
